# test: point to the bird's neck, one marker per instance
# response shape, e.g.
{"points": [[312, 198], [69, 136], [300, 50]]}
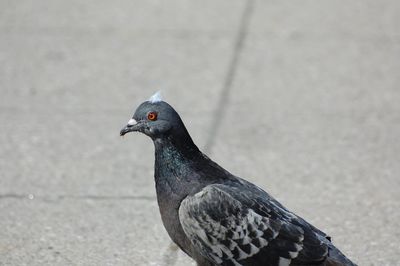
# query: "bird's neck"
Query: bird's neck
{"points": [[174, 157], [181, 168]]}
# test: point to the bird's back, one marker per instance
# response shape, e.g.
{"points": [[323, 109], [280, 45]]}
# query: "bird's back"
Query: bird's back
{"points": [[234, 222]]}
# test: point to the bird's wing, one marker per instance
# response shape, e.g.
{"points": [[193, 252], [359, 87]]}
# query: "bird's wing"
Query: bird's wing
{"points": [[229, 230]]}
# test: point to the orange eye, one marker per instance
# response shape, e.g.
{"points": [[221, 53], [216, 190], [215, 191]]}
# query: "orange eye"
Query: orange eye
{"points": [[152, 116]]}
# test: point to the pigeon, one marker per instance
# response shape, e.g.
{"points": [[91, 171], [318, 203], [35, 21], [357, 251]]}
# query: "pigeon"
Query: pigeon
{"points": [[216, 217]]}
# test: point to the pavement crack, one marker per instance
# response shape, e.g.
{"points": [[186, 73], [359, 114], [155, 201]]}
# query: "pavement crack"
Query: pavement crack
{"points": [[75, 197], [107, 197], [14, 196], [220, 110]]}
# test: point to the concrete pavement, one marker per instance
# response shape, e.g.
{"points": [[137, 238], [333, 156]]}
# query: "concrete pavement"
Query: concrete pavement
{"points": [[302, 99]]}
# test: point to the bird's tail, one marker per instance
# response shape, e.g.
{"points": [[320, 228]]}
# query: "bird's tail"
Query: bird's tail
{"points": [[337, 258]]}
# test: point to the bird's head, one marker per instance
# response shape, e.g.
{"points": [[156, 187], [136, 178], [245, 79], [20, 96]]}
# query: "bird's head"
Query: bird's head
{"points": [[156, 119]]}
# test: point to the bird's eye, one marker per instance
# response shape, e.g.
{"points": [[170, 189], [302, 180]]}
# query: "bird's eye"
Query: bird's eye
{"points": [[152, 116]]}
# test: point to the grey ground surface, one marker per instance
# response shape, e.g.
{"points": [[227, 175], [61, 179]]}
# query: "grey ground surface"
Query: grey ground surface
{"points": [[300, 97]]}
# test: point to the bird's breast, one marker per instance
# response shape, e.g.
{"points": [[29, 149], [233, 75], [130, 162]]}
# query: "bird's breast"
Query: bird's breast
{"points": [[168, 203]]}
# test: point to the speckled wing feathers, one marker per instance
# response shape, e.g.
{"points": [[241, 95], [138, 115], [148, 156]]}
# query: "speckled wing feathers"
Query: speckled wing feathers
{"points": [[230, 233]]}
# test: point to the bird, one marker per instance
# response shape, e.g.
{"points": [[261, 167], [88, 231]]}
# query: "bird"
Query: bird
{"points": [[215, 217]]}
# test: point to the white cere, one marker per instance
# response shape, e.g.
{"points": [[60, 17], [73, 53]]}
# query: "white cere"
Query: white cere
{"points": [[132, 122]]}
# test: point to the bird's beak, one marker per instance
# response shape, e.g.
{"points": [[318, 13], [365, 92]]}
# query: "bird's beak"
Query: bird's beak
{"points": [[132, 125]]}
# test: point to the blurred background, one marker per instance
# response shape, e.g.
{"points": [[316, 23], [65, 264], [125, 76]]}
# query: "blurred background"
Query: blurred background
{"points": [[300, 97]]}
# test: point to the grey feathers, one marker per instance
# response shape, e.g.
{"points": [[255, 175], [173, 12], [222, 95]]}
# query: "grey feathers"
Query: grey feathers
{"points": [[216, 217], [226, 230]]}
